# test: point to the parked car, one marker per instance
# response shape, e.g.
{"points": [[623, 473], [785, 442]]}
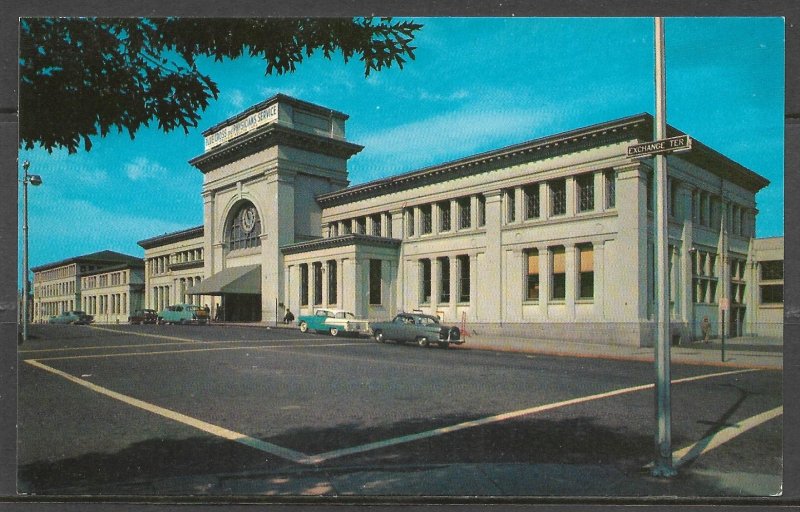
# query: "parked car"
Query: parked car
{"points": [[417, 327], [143, 316], [182, 314], [333, 321], [72, 317]]}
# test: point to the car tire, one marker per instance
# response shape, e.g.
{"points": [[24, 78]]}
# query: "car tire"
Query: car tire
{"points": [[422, 341], [334, 331], [303, 327], [379, 337]]}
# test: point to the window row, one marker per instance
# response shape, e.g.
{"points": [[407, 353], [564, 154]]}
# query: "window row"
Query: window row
{"points": [[47, 309], [378, 224], [161, 264], [557, 273], [319, 283], [56, 289], [452, 276], [58, 273], [113, 304], [446, 216]]}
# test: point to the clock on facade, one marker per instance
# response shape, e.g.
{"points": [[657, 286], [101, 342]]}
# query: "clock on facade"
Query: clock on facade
{"points": [[249, 219]]}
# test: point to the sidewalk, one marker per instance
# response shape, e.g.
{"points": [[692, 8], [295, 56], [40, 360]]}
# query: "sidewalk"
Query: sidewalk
{"points": [[742, 352]]}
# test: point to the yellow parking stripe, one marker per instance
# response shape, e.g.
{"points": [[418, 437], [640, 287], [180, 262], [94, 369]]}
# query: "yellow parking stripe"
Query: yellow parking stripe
{"points": [[252, 442], [190, 350]]}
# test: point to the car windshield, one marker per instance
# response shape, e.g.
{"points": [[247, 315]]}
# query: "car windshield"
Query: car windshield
{"points": [[426, 320], [344, 314]]}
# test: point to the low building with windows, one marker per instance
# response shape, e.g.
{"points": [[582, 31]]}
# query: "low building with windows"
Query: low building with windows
{"points": [[57, 286], [173, 263], [112, 294], [550, 238], [764, 273]]}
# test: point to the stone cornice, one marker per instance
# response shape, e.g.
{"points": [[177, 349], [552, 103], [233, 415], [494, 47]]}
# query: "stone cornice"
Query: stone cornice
{"points": [[638, 127], [168, 238], [340, 241], [268, 136]]}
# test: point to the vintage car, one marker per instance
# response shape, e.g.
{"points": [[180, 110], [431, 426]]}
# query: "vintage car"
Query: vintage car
{"points": [[333, 321], [417, 327], [183, 314], [72, 317], [143, 316]]}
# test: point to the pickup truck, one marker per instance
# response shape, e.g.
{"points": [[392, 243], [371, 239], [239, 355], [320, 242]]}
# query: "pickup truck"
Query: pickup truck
{"points": [[416, 327]]}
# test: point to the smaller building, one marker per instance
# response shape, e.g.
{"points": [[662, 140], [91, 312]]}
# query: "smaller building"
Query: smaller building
{"points": [[765, 276], [57, 285], [174, 262], [112, 294]]}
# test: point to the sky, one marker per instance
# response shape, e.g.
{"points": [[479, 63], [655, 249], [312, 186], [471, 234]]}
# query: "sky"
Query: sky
{"points": [[476, 84]]}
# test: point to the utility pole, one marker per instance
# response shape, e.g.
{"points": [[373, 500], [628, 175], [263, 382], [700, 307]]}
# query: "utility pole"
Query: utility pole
{"points": [[663, 462]]}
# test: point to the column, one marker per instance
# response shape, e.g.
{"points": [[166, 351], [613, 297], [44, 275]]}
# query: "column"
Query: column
{"points": [[324, 272], [493, 302], [455, 281], [571, 270], [519, 205], [544, 200], [599, 192], [473, 286], [599, 282], [572, 206], [545, 280], [473, 211], [398, 226], [435, 278], [417, 221]]}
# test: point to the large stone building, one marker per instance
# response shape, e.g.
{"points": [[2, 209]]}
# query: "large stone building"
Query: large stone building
{"points": [[58, 286], [550, 238]]}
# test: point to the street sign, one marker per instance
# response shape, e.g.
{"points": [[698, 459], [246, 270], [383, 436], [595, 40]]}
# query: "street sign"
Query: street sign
{"points": [[670, 145]]}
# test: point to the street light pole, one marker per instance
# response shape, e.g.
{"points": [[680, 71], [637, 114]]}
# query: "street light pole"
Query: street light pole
{"points": [[34, 180], [663, 461]]}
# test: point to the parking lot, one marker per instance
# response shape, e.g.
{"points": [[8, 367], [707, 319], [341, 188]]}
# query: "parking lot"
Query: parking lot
{"points": [[118, 409]]}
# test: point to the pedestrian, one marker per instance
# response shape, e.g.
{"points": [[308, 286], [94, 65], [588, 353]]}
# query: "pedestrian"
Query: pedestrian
{"points": [[705, 328], [288, 317], [220, 314], [208, 313]]}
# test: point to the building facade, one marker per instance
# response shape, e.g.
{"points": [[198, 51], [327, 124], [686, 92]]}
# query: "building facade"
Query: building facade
{"points": [[112, 294], [173, 263], [551, 238], [57, 285]]}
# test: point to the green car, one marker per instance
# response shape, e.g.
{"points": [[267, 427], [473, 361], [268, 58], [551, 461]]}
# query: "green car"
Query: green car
{"points": [[183, 314], [72, 317]]}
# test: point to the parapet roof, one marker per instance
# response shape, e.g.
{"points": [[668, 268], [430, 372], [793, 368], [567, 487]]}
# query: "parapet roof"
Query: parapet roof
{"points": [[111, 258], [175, 236]]}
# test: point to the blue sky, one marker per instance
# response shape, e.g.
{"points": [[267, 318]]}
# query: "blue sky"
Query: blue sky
{"points": [[477, 84]]}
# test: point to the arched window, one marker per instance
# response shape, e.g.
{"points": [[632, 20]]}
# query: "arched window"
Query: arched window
{"points": [[245, 228]]}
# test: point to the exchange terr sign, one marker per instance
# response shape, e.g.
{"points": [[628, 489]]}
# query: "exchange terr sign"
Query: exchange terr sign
{"points": [[673, 144]]}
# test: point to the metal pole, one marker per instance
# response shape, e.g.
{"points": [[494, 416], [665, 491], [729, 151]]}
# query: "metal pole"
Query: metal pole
{"points": [[723, 335], [25, 166], [663, 463]]}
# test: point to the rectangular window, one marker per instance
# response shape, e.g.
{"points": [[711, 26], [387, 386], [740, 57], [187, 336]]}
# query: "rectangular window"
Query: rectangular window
{"points": [[771, 270], [332, 282], [611, 189], [334, 229], [375, 282], [361, 225], [317, 266], [558, 197], [558, 264], [586, 276], [376, 225], [464, 213], [347, 227], [427, 218], [585, 184], [463, 279], [532, 271], [532, 201], [481, 210], [511, 205], [673, 198], [304, 284], [425, 281], [444, 279], [772, 294], [445, 223], [410, 221]]}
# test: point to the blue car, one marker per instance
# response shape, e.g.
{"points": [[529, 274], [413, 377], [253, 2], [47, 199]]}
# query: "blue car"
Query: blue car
{"points": [[332, 321]]}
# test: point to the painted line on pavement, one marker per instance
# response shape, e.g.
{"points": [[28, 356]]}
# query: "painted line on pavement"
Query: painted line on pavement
{"points": [[681, 457], [190, 350], [196, 342], [252, 442], [322, 457], [144, 334]]}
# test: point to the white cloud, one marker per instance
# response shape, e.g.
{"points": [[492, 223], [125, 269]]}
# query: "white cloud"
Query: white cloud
{"points": [[142, 168]]}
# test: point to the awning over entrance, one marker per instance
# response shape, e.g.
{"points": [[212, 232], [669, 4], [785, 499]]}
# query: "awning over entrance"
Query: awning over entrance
{"points": [[243, 280]]}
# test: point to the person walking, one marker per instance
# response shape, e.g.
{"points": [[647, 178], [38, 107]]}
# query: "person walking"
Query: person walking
{"points": [[705, 328], [288, 317]]}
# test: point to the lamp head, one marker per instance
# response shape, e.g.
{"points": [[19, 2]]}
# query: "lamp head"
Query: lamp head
{"points": [[35, 179], [26, 165]]}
